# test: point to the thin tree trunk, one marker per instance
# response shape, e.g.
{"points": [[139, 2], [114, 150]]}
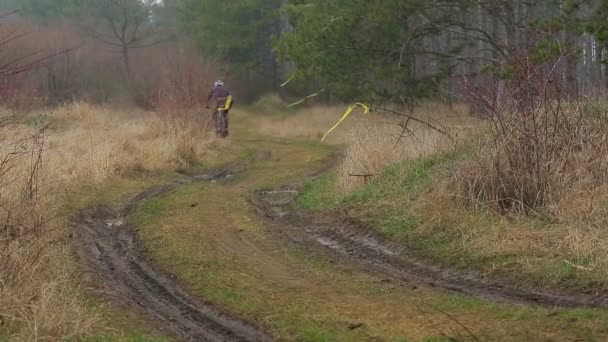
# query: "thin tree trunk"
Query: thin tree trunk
{"points": [[126, 61], [603, 61], [571, 65], [128, 71]]}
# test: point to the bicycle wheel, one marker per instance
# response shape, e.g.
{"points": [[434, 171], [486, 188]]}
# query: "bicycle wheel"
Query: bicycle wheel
{"points": [[217, 123], [224, 122], [220, 124]]}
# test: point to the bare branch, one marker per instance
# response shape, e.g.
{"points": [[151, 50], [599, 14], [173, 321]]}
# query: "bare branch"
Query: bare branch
{"points": [[413, 118]]}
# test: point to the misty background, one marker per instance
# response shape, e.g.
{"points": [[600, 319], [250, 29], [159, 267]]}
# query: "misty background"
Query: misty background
{"points": [[391, 51]]}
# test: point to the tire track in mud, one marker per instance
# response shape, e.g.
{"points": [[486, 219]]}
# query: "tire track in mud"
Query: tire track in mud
{"points": [[361, 246], [113, 253], [111, 250]]}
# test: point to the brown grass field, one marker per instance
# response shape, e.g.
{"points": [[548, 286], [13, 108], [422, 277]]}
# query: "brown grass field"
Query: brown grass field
{"points": [[88, 147]]}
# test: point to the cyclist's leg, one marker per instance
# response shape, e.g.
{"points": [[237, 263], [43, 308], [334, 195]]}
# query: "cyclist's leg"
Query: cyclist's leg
{"points": [[217, 122], [225, 123], [221, 117], [220, 125]]}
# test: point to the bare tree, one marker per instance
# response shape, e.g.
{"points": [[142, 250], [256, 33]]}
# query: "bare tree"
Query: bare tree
{"points": [[124, 25]]}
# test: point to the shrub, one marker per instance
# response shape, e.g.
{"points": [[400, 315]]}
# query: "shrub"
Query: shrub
{"points": [[540, 145]]}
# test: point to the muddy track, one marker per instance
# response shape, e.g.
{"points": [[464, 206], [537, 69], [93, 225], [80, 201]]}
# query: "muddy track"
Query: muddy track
{"points": [[112, 252], [359, 245]]}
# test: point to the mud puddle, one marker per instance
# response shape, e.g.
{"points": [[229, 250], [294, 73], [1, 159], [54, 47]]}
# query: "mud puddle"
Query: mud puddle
{"points": [[362, 246], [114, 255]]}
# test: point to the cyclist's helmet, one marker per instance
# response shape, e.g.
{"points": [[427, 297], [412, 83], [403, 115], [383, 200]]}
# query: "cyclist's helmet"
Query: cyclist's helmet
{"points": [[218, 83]]}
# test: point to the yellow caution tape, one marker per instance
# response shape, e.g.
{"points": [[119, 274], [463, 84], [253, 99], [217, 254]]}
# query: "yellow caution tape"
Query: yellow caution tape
{"points": [[288, 80], [306, 98], [346, 115]]}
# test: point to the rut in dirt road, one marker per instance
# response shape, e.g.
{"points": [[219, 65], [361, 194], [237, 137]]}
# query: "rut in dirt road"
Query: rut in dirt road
{"points": [[113, 253], [363, 247]]}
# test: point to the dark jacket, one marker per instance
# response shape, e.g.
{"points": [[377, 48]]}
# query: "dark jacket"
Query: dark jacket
{"points": [[219, 95]]}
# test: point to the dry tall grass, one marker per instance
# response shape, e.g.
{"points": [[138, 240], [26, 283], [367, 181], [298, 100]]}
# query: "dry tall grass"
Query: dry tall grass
{"points": [[373, 148], [377, 142], [307, 123], [39, 296], [564, 247], [371, 140], [102, 142], [533, 200], [562, 244], [543, 182]]}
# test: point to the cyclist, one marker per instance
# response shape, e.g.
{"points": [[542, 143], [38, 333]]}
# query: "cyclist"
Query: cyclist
{"points": [[223, 102]]}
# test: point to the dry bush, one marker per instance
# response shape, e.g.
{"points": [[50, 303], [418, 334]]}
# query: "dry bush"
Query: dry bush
{"points": [[540, 148], [36, 301], [185, 85], [39, 295], [178, 93], [536, 183], [173, 76]]}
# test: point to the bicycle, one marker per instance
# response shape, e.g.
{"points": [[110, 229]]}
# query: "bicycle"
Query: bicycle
{"points": [[220, 118]]}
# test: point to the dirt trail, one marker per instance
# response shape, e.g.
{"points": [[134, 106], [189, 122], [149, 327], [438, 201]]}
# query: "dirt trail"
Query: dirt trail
{"points": [[237, 244], [113, 253], [363, 247]]}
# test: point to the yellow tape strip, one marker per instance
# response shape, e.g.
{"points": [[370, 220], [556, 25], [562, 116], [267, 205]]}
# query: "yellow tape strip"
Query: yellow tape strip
{"points": [[306, 98], [288, 80], [346, 115]]}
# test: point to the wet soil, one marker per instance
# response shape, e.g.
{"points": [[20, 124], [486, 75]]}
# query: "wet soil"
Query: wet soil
{"points": [[117, 259], [109, 247], [359, 245]]}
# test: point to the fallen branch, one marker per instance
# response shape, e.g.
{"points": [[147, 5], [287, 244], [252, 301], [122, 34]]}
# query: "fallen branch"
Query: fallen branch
{"points": [[366, 177]]}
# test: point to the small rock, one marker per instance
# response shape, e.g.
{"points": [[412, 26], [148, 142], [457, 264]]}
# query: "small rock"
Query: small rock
{"points": [[193, 205]]}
